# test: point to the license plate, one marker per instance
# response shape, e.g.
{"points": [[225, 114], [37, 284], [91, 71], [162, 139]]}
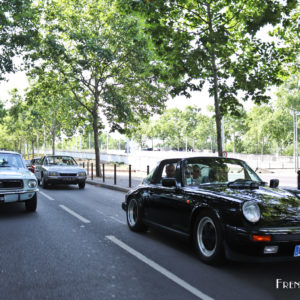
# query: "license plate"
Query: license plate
{"points": [[297, 251]]}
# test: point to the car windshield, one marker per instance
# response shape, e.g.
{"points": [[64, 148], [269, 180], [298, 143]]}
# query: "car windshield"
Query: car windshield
{"points": [[60, 161], [204, 171], [11, 160]]}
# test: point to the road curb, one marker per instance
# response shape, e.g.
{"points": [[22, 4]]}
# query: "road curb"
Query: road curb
{"points": [[108, 186]]}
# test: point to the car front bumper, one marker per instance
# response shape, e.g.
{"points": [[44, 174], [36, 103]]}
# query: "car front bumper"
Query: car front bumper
{"points": [[16, 196], [65, 179], [239, 244]]}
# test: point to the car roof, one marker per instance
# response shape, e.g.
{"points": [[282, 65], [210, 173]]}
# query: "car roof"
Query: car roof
{"points": [[9, 152], [199, 157], [58, 155]]}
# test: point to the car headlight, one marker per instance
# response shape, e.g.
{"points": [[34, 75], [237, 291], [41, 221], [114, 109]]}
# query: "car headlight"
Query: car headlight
{"points": [[251, 211], [53, 173], [32, 183], [81, 173]]}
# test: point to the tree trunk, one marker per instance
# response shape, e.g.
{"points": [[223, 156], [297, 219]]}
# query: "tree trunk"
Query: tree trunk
{"points": [[44, 145], [53, 141], [32, 148], [37, 144], [234, 142], [96, 143], [215, 87]]}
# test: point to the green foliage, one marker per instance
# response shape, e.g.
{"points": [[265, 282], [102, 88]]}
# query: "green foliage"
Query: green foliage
{"points": [[18, 31], [215, 41], [104, 59], [56, 110], [178, 129]]}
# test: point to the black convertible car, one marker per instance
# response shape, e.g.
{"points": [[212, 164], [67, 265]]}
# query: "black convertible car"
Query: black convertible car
{"points": [[222, 205]]}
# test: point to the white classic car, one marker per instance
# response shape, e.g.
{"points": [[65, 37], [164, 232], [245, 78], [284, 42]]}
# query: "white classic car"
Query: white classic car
{"points": [[59, 169], [17, 183]]}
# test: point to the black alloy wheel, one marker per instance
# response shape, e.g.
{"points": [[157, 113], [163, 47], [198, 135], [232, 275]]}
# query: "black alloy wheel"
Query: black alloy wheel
{"points": [[208, 238], [133, 215]]}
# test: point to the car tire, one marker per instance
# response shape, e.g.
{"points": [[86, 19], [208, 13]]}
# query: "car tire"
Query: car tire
{"points": [[208, 238], [81, 185], [31, 204], [133, 216], [44, 182]]}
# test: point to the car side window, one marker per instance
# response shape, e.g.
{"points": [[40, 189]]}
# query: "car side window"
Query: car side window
{"points": [[196, 173], [167, 170]]}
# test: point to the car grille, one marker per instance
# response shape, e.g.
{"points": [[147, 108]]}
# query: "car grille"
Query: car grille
{"points": [[11, 184], [68, 174]]}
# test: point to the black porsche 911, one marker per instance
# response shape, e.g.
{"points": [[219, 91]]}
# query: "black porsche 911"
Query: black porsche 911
{"points": [[222, 205]]}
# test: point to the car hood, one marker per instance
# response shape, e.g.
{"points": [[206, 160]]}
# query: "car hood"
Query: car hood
{"points": [[276, 205], [64, 169], [15, 173]]}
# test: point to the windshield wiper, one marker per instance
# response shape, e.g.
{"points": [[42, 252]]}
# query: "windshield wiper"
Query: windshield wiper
{"points": [[243, 183]]}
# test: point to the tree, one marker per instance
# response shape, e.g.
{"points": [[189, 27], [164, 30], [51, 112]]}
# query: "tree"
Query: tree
{"points": [[216, 41], [235, 129], [258, 138], [288, 100], [16, 121], [18, 31], [54, 106], [104, 59], [169, 128]]}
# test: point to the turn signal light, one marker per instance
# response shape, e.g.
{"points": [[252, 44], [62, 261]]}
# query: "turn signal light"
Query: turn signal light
{"points": [[261, 238]]}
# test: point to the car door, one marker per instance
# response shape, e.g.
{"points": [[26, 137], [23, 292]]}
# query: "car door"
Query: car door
{"points": [[168, 207]]}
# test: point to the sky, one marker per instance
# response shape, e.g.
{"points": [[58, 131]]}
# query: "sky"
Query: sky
{"points": [[199, 99]]}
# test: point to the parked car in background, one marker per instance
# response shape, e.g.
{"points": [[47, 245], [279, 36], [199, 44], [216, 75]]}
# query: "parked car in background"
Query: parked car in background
{"points": [[59, 169], [222, 205], [33, 163], [17, 183]]}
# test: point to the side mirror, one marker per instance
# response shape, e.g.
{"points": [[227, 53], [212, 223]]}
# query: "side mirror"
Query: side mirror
{"points": [[169, 182], [274, 183]]}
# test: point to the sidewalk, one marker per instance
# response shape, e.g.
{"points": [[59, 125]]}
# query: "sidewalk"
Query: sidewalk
{"points": [[122, 183], [287, 178]]}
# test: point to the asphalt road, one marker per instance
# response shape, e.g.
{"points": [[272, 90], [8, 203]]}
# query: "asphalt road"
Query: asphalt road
{"points": [[78, 246]]}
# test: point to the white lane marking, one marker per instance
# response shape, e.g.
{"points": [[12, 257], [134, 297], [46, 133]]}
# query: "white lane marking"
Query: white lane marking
{"points": [[115, 219], [73, 213], [159, 269], [45, 195]]}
